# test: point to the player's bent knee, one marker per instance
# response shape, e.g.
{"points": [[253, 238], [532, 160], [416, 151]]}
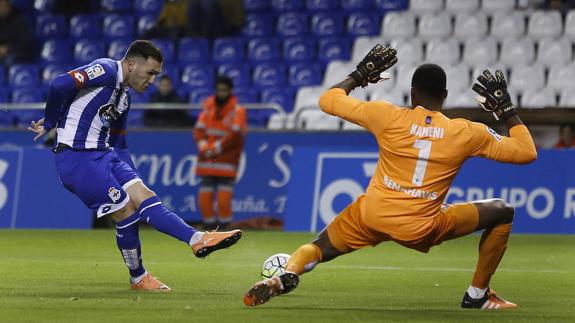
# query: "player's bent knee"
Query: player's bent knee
{"points": [[505, 210], [123, 213]]}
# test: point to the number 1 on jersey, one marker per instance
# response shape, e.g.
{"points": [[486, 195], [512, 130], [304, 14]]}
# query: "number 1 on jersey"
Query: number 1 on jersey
{"points": [[424, 147]]}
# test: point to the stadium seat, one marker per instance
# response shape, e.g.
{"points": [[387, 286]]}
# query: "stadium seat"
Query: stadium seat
{"points": [[172, 71], [317, 120], [23, 75], [308, 97], [239, 73], [458, 77], [425, 6], [298, 49], [561, 78], [277, 121], [116, 5], [555, 51], [390, 5], [460, 99], [480, 53], [470, 26], [326, 24], [363, 24], [50, 26], [442, 52], [2, 77], [23, 5], [145, 23], [117, 48], [269, 75], [50, 72], [198, 75], [398, 25], [517, 52], [263, 50], [539, 99], [245, 95], [287, 5], [508, 25], [435, 26], [256, 5], [304, 74], [148, 6], [199, 94], [462, 5], [56, 50], [404, 75], [335, 48], [320, 5], [27, 95], [362, 46], [356, 5], [350, 126], [228, 50], [337, 71], [567, 99], [87, 50], [496, 6], [545, 24], [292, 24], [527, 78], [23, 118], [85, 26], [258, 25], [44, 5], [193, 50], [118, 26], [410, 52], [167, 48], [280, 95], [570, 25]]}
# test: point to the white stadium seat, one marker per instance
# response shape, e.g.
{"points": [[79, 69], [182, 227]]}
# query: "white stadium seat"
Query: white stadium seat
{"points": [[404, 74], [497, 5], [337, 71], [461, 99], [308, 97], [527, 78], [517, 52], [480, 53], [561, 77], [362, 46], [409, 51], [570, 25], [398, 25], [555, 51], [436, 25], [442, 52], [544, 24], [539, 99], [458, 77], [567, 99], [425, 5], [462, 5], [351, 126], [317, 120], [395, 96], [470, 26], [508, 25]]}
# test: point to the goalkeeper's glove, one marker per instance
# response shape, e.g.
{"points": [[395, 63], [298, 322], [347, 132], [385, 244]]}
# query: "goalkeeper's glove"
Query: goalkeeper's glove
{"points": [[493, 96], [373, 64]]}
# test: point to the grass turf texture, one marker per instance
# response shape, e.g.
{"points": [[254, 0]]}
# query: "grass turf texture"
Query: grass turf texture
{"points": [[72, 276]]}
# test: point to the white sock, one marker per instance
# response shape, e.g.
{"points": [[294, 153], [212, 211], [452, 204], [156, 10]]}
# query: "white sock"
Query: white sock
{"points": [[196, 237], [136, 280], [475, 292]]}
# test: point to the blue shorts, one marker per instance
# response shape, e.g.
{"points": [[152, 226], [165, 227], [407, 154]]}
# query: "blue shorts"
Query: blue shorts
{"points": [[98, 178]]}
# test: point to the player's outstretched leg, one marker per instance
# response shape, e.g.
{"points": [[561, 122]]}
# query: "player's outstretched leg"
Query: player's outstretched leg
{"points": [[262, 291]]}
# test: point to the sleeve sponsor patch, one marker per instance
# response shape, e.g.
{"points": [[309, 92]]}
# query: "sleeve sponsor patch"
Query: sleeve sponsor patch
{"points": [[95, 71], [79, 77], [493, 133]]}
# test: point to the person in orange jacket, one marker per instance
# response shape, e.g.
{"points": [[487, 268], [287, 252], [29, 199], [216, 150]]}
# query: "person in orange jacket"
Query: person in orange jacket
{"points": [[219, 134]]}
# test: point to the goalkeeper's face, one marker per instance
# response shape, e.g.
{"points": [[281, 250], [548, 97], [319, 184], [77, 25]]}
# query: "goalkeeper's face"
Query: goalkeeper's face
{"points": [[143, 72]]}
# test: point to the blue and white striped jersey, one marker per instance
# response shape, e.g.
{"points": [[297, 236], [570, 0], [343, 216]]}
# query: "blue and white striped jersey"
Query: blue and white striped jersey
{"points": [[86, 102]]}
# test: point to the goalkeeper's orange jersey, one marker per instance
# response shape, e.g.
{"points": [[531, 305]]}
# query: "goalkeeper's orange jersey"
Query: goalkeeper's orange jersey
{"points": [[420, 152]]}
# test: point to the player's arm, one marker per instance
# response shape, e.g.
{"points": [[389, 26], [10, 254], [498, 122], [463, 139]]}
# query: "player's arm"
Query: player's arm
{"points": [[235, 134], [200, 134], [493, 96]]}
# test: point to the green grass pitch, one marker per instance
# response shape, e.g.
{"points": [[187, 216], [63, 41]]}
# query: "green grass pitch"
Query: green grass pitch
{"points": [[78, 276]]}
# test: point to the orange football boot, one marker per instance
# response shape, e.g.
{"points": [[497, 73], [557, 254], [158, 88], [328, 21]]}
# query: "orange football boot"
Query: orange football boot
{"points": [[212, 241], [150, 284]]}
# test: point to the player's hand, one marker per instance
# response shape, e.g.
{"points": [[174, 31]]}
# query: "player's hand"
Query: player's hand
{"points": [[378, 60], [493, 96], [38, 128]]}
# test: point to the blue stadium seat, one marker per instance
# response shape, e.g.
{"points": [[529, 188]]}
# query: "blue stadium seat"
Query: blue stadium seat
{"points": [[327, 24], [115, 26], [317, 5], [50, 72], [363, 24], [26, 95], [193, 50], [56, 50], [258, 25], [87, 50], [256, 5], [305, 74], [269, 74], [298, 49], [167, 48], [117, 48], [148, 6], [239, 73], [334, 48], [6, 116], [390, 5], [23, 75], [44, 5], [292, 24], [228, 50], [85, 26], [23, 118], [50, 26], [145, 23], [2, 76], [287, 5], [199, 94], [23, 5], [356, 5], [173, 71], [116, 5], [280, 95], [198, 75], [263, 49], [245, 95]]}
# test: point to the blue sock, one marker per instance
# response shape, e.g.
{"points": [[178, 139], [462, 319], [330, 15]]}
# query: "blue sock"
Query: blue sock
{"points": [[156, 214], [128, 240]]}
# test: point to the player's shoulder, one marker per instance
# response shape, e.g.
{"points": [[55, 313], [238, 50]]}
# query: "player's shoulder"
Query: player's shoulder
{"points": [[105, 68]]}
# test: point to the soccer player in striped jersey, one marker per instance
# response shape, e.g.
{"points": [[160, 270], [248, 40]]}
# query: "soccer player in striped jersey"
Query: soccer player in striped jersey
{"points": [[89, 107], [421, 151]]}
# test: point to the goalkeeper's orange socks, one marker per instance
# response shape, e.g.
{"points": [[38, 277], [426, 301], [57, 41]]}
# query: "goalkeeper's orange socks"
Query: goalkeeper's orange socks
{"points": [[491, 249], [304, 259], [128, 241]]}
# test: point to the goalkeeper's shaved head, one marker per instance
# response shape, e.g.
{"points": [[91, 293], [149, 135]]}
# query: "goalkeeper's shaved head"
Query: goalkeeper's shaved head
{"points": [[428, 86]]}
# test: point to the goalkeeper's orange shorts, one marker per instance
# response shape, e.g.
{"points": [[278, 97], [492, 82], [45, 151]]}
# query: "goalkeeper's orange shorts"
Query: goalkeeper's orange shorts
{"points": [[348, 231]]}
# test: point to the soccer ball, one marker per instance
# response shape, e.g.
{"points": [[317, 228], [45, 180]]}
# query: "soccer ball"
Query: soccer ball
{"points": [[275, 265]]}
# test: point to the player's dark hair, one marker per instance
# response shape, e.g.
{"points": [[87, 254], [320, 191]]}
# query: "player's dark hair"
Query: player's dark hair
{"points": [[222, 79], [430, 80], [145, 49]]}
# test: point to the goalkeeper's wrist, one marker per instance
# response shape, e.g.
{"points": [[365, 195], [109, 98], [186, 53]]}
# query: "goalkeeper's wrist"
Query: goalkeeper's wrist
{"points": [[358, 77], [506, 112]]}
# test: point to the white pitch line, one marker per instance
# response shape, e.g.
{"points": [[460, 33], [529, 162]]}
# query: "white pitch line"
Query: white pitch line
{"points": [[444, 269]]}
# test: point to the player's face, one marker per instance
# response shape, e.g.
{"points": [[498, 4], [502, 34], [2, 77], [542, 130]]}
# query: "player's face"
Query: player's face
{"points": [[144, 73]]}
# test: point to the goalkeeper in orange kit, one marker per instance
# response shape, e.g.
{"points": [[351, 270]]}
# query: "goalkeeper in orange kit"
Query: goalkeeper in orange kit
{"points": [[420, 153]]}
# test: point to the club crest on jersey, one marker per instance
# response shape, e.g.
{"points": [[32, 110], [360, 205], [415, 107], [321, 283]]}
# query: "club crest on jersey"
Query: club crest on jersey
{"points": [[494, 134], [95, 71], [114, 194]]}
